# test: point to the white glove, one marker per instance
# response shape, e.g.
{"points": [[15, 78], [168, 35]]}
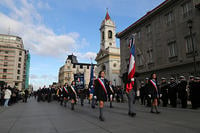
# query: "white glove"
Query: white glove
{"points": [[95, 97], [149, 95], [160, 95]]}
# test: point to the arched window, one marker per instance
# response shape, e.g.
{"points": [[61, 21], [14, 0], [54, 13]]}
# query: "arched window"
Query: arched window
{"points": [[110, 34], [103, 35]]}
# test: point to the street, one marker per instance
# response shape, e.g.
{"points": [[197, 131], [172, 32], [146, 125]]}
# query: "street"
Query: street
{"points": [[43, 117]]}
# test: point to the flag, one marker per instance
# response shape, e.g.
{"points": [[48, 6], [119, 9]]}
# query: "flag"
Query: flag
{"points": [[131, 70], [91, 73]]}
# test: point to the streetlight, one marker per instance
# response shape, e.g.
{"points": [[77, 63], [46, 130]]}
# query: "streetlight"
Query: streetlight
{"points": [[115, 82], [189, 24]]}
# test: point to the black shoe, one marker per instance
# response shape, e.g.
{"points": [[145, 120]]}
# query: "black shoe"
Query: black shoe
{"points": [[152, 112], [133, 114], [157, 112], [101, 118], [129, 113]]}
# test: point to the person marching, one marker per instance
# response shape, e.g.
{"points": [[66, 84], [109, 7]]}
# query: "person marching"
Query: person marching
{"points": [[101, 92], [154, 92], [131, 93], [73, 94], [60, 95], [111, 93], [65, 94], [91, 91]]}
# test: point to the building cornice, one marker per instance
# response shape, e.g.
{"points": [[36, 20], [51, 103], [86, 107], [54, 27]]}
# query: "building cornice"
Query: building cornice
{"points": [[149, 14]]}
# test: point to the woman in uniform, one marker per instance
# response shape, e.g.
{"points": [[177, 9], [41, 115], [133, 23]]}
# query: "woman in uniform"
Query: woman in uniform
{"points": [[101, 92], [154, 93], [73, 94]]}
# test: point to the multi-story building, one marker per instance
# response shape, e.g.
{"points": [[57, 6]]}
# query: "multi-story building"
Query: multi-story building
{"points": [[12, 61], [72, 67], [108, 57], [167, 40]]}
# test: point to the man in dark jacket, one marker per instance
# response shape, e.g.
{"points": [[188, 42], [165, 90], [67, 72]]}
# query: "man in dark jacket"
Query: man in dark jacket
{"points": [[182, 92], [164, 92]]}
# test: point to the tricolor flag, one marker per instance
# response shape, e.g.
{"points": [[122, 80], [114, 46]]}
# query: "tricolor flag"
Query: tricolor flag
{"points": [[131, 69]]}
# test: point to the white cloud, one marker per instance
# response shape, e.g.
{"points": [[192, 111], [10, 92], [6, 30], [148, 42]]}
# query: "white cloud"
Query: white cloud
{"points": [[43, 5], [25, 21], [86, 56]]}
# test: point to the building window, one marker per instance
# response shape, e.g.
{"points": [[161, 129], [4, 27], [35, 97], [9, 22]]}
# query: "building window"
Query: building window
{"points": [[110, 34], [5, 64], [4, 76], [19, 65], [114, 65], [20, 59], [148, 30], [5, 70], [103, 35], [81, 66], [20, 52], [187, 9], [138, 35], [189, 48], [18, 78], [150, 56], [172, 49], [16, 84], [6, 52], [169, 18], [5, 57], [18, 71], [139, 60]]}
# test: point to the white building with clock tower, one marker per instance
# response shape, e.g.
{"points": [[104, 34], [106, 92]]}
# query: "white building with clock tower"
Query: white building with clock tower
{"points": [[108, 57]]}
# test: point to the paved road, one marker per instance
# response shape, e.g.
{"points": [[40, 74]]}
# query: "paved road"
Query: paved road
{"points": [[33, 117]]}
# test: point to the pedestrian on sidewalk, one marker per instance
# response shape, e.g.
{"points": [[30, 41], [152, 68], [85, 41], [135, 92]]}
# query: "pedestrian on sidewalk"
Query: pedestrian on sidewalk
{"points": [[101, 92], [7, 95]]}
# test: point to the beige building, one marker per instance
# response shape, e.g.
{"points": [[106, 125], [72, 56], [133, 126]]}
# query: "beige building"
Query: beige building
{"points": [[164, 43], [71, 67], [108, 57], [12, 61]]}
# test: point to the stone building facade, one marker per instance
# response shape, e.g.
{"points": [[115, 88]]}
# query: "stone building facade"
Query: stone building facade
{"points": [[13, 60], [71, 67], [163, 40]]}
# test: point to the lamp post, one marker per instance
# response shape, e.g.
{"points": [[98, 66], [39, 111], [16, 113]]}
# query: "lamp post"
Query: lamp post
{"points": [[115, 82], [189, 23]]}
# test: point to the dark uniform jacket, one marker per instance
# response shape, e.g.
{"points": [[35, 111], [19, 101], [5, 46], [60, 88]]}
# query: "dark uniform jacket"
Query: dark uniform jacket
{"points": [[154, 90], [100, 91], [73, 93]]}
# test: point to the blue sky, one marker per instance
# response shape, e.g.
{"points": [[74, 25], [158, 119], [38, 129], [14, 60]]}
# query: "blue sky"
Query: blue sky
{"points": [[52, 29]]}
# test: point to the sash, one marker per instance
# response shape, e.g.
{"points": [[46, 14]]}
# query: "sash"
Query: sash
{"points": [[154, 84], [111, 89], [66, 90], [103, 85], [73, 90]]}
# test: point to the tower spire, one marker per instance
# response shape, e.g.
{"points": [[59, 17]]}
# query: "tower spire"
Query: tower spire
{"points": [[107, 15]]}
